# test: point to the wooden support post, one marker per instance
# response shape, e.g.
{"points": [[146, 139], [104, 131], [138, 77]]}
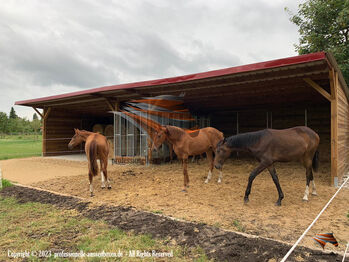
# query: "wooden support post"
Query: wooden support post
{"points": [[44, 129], [116, 128], [318, 88], [37, 111], [111, 107], [237, 123], [237, 129], [334, 126]]}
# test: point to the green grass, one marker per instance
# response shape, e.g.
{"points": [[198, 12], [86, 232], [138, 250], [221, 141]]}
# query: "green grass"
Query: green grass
{"points": [[238, 226], [34, 227], [5, 183], [19, 146]]}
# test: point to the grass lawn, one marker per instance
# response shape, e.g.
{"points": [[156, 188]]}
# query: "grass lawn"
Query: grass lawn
{"points": [[36, 227], [20, 146]]}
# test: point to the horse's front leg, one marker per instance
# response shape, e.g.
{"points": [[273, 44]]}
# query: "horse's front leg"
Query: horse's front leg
{"points": [[252, 176], [171, 152], [210, 168], [275, 178], [185, 173]]}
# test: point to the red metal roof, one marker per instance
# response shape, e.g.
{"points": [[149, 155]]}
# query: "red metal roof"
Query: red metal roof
{"points": [[227, 71]]}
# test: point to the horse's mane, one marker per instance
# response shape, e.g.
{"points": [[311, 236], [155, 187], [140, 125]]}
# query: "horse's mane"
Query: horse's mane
{"points": [[244, 140], [175, 132]]}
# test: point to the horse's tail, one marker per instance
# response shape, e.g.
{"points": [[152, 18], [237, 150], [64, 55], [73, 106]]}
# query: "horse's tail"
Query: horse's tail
{"points": [[316, 161], [93, 158]]}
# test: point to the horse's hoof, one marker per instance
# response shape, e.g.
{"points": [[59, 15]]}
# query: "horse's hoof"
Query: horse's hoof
{"points": [[103, 187], [246, 200], [109, 187], [305, 200], [219, 181], [184, 190], [314, 193], [206, 181], [278, 203], [91, 195]]}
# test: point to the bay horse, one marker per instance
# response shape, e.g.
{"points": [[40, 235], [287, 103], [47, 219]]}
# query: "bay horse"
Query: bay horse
{"points": [[269, 146], [96, 147], [187, 144]]}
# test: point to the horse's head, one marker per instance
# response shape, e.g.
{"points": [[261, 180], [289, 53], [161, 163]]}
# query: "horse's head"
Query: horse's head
{"points": [[159, 138], [222, 153], [77, 139]]}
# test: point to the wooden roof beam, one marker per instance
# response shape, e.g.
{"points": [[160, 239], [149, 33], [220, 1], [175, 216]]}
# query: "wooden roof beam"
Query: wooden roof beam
{"points": [[136, 92], [318, 88], [37, 111]]}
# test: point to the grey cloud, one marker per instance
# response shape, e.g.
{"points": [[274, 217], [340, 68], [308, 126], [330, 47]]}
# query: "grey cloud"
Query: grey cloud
{"points": [[51, 47]]}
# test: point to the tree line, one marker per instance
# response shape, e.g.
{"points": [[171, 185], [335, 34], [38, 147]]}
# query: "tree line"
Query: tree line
{"points": [[13, 124]]}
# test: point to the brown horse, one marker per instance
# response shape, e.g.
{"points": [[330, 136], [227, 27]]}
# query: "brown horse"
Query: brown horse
{"points": [[269, 146], [96, 147], [187, 144]]}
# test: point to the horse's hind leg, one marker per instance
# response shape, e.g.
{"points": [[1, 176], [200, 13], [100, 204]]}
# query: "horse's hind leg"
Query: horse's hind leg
{"points": [[104, 172], [309, 175], [90, 177], [313, 183], [252, 176], [275, 178], [102, 175]]}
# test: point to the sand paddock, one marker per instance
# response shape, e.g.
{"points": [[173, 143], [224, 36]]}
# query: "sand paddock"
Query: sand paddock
{"points": [[157, 188]]}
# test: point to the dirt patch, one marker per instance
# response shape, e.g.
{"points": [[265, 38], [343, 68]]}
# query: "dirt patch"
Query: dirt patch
{"points": [[129, 172], [157, 188], [217, 243], [35, 169]]}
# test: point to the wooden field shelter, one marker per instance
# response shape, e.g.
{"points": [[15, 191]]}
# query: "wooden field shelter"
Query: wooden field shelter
{"points": [[301, 90]]}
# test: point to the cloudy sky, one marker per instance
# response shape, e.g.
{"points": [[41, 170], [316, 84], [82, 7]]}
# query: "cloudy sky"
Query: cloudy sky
{"points": [[60, 46]]}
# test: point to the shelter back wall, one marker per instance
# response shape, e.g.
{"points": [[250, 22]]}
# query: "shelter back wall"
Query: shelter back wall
{"points": [[318, 119]]}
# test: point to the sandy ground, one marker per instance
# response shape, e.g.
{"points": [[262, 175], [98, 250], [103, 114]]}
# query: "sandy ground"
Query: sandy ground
{"points": [[158, 189]]}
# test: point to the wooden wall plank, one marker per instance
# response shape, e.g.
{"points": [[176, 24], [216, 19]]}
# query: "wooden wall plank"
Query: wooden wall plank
{"points": [[318, 118], [343, 133]]}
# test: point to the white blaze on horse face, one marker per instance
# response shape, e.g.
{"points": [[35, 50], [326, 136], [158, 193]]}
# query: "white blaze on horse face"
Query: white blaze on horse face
{"points": [[208, 176], [306, 193], [314, 189], [220, 176]]}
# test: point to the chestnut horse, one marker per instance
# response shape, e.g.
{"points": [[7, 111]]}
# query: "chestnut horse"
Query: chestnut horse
{"points": [[96, 147], [187, 144], [269, 146]]}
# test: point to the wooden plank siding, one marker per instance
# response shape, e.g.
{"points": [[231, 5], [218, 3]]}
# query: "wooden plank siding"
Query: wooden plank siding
{"points": [[318, 119], [59, 129], [342, 133]]}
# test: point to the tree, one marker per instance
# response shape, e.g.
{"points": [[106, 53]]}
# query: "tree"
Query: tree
{"points": [[324, 26], [35, 117], [3, 123], [36, 124], [13, 114]]}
